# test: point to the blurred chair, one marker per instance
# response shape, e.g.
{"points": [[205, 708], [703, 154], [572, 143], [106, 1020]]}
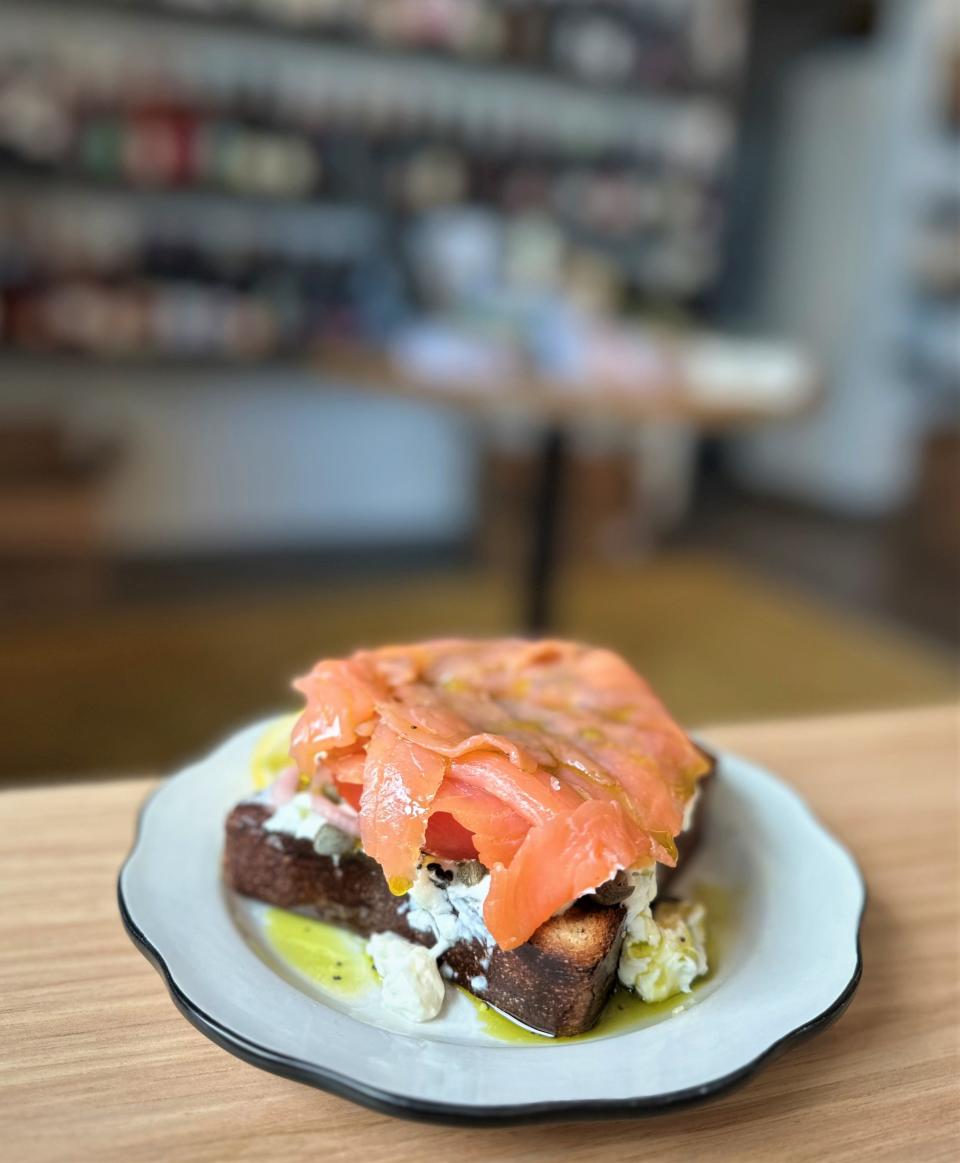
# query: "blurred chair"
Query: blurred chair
{"points": [[50, 543]]}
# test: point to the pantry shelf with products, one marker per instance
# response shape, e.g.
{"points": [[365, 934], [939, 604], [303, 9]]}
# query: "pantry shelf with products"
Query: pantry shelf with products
{"points": [[121, 125], [614, 44]]}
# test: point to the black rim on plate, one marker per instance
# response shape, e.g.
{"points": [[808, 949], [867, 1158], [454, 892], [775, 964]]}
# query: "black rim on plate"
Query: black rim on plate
{"points": [[386, 1102]]}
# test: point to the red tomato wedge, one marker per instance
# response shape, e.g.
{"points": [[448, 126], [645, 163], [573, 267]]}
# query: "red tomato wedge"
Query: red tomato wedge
{"points": [[552, 763], [497, 830], [350, 792], [449, 839]]}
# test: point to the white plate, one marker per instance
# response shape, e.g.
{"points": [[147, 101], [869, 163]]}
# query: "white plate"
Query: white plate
{"points": [[789, 962]]}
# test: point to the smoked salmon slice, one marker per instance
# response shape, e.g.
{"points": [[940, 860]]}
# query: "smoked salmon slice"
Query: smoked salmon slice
{"points": [[558, 861], [400, 781], [555, 762]]}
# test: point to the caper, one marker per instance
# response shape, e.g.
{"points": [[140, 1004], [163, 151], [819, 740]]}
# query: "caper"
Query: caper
{"points": [[470, 872], [333, 841], [615, 891]]}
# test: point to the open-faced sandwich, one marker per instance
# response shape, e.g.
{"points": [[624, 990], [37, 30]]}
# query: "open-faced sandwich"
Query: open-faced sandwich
{"points": [[496, 814]]}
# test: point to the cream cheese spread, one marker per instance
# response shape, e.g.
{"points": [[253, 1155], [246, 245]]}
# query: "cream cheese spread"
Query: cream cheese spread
{"points": [[411, 983], [452, 911], [298, 819]]}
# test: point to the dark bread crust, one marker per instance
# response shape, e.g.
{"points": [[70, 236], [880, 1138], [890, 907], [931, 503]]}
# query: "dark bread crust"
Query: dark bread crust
{"points": [[283, 871], [557, 982]]}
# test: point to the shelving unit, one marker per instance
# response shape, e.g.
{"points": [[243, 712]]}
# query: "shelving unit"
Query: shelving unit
{"points": [[221, 147], [616, 45]]}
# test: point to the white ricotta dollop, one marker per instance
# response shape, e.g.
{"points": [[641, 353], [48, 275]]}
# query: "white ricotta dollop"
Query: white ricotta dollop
{"points": [[452, 912], [297, 818], [412, 986], [664, 948]]}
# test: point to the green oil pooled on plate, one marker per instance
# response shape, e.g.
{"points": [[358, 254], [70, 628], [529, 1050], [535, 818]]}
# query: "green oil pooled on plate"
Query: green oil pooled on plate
{"points": [[336, 960], [723, 909], [333, 958], [625, 1011]]}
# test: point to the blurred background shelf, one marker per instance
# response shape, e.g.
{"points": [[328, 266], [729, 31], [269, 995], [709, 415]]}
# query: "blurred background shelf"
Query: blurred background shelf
{"points": [[300, 79], [615, 45], [23, 183], [628, 46]]}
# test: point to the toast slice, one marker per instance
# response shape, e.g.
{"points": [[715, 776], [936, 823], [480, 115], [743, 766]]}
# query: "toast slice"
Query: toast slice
{"points": [[556, 983]]}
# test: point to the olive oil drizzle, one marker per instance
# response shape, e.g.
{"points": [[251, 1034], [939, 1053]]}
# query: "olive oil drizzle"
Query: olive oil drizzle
{"points": [[333, 958], [337, 961], [624, 1012]]}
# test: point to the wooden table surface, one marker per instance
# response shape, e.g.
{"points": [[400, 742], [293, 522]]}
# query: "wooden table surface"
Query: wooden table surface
{"points": [[96, 1062]]}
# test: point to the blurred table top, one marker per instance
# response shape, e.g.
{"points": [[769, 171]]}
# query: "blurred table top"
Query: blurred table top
{"points": [[98, 1064], [531, 397]]}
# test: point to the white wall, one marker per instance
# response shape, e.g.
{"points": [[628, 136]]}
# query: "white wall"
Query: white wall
{"points": [[250, 459], [835, 272]]}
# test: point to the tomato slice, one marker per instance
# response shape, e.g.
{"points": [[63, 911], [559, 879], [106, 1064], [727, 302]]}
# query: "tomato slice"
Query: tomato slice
{"points": [[446, 837], [449, 839], [351, 793]]}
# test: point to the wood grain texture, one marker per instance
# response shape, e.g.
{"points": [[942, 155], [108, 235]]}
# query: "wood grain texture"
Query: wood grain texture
{"points": [[97, 1063]]}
